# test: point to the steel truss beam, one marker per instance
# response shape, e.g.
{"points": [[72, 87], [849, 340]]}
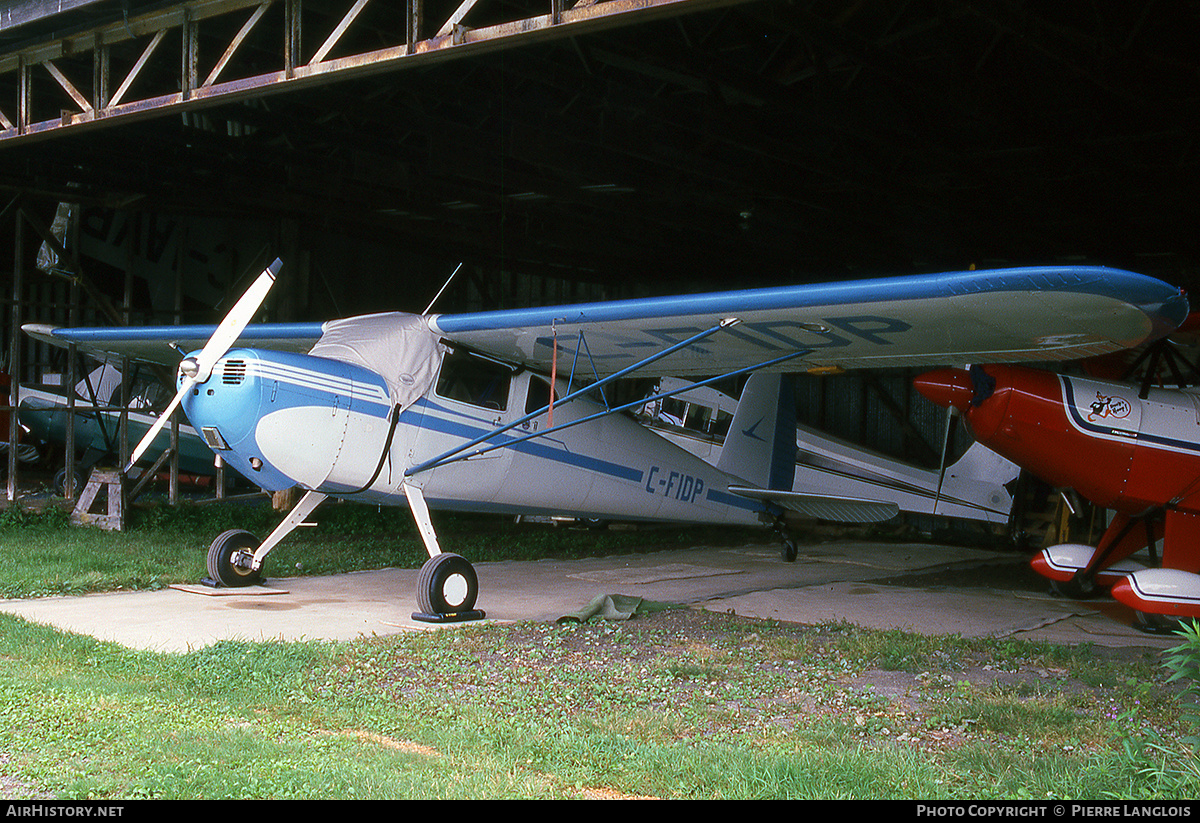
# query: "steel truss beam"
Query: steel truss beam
{"points": [[194, 82]]}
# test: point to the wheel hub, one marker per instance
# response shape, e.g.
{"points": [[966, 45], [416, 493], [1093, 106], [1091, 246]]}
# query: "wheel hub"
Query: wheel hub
{"points": [[455, 589]]}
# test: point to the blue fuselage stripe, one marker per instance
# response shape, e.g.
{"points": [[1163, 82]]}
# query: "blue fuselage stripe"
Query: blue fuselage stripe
{"points": [[436, 422]]}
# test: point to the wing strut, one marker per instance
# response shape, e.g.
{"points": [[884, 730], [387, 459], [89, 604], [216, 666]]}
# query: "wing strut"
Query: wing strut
{"points": [[437, 461], [454, 455]]}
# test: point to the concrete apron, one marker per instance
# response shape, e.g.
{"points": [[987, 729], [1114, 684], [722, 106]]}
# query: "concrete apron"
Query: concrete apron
{"points": [[928, 589]]}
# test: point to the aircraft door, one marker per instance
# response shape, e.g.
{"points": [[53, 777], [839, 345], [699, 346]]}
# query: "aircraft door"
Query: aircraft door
{"points": [[547, 473], [1168, 443], [471, 397]]}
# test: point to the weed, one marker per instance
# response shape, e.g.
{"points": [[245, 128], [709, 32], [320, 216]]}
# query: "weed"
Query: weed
{"points": [[1184, 661]]}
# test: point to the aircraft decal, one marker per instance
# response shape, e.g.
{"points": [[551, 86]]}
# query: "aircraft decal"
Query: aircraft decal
{"points": [[1083, 424], [750, 432], [674, 485], [1109, 406], [1087, 423]]}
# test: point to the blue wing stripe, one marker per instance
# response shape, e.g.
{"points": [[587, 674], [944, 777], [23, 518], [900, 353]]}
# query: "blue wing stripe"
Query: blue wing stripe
{"points": [[1146, 292], [167, 334]]}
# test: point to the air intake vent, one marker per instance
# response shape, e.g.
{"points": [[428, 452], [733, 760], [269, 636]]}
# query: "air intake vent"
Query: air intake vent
{"points": [[234, 372]]}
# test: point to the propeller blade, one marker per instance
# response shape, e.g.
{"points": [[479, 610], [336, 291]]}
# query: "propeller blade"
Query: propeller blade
{"points": [[235, 322], [197, 369], [951, 411], [148, 438]]}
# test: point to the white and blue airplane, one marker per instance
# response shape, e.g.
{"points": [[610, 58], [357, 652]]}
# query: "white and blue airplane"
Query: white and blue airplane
{"points": [[456, 411]]}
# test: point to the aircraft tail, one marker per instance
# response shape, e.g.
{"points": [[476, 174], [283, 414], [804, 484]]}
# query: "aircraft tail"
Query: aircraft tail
{"points": [[979, 478], [761, 445], [979, 463]]}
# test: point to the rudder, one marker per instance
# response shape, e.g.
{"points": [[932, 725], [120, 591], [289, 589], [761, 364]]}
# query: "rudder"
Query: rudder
{"points": [[761, 445]]}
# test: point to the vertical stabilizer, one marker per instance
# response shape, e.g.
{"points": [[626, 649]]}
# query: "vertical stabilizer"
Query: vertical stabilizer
{"points": [[761, 445]]}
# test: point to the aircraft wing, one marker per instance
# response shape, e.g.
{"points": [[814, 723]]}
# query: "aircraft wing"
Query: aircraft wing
{"points": [[166, 345], [1007, 315], [1010, 315]]}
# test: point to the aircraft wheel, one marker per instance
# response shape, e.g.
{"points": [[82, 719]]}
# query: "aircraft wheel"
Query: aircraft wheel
{"points": [[788, 550], [447, 585], [1073, 589], [1156, 623], [221, 553], [60, 482]]}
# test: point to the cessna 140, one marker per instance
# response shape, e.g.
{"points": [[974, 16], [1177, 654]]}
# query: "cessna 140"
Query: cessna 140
{"points": [[456, 411], [1133, 450]]}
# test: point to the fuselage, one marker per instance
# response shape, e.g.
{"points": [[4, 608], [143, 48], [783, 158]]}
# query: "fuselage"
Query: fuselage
{"points": [[1137, 456], [1117, 449], [284, 420]]}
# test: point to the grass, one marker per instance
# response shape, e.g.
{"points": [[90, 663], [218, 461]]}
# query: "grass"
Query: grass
{"points": [[162, 545], [675, 704]]}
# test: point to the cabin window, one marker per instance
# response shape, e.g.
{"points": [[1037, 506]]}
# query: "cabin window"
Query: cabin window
{"points": [[474, 380], [673, 410], [719, 423], [539, 395], [708, 420]]}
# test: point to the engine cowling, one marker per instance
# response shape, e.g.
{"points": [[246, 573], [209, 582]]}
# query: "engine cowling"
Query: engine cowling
{"points": [[283, 419]]}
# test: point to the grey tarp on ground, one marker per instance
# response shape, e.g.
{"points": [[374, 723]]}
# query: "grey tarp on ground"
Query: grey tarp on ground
{"points": [[613, 607]]}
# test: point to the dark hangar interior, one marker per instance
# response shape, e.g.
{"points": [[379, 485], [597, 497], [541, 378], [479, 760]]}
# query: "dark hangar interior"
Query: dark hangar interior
{"points": [[581, 151]]}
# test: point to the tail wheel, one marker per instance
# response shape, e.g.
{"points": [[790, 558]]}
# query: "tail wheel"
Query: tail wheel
{"points": [[788, 550], [229, 556], [447, 585]]}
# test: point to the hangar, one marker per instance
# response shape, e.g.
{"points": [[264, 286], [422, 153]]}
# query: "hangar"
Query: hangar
{"points": [[575, 151]]}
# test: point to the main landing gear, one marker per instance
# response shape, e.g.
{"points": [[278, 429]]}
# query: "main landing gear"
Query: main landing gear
{"points": [[231, 560], [447, 585], [446, 590]]}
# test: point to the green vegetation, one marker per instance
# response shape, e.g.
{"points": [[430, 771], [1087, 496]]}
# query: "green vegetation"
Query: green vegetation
{"points": [[678, 703], [42, 554]]}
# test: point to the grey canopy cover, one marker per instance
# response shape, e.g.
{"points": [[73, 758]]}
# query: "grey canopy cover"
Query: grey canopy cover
{"points": [[397, 346]]}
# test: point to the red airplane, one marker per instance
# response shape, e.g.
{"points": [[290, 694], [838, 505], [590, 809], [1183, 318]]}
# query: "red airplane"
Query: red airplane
{"points": [[1134, 450]]}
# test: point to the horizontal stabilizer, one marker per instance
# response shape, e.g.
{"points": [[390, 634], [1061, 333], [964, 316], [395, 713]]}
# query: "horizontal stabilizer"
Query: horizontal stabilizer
{"points": [[839, 509]]}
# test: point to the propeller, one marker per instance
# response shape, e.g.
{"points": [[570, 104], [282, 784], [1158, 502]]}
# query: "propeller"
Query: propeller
{"points": [[198, 368], [951, 413]]}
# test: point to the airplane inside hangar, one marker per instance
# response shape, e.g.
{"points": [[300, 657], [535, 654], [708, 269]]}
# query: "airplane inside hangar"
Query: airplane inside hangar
{"points": [[158, 156]]}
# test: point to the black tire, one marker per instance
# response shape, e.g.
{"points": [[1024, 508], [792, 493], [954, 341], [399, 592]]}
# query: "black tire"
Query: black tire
{"points": [[1074, 589], [221, 567], [447, 584], [60, 482], [788, 550], [1157, 623]]}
